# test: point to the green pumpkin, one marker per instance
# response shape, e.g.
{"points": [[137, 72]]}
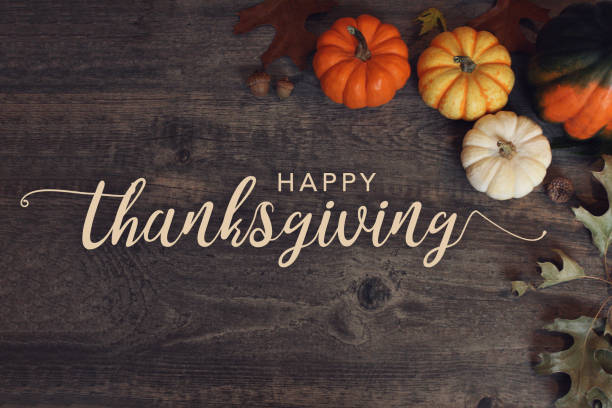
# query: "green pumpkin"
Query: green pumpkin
{"points": [[572, 70]]}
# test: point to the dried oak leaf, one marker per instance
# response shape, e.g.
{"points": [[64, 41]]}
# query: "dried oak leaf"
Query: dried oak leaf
{"points": [[588, 362], [503, 20], [600, 226], [288, 18], [519, 288], [553, 276], [430, 19]]}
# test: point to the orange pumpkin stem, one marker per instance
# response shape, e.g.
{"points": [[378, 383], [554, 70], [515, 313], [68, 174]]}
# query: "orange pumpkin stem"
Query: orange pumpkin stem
{"points": [[467, 65], [362, 52]]}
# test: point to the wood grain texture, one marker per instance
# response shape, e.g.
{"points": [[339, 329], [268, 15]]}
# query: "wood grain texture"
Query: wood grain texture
{"points": [[115, 90]]}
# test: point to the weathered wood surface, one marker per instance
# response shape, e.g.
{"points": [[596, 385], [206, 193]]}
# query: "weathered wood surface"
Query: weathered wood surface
{"points": [[117, 90]]}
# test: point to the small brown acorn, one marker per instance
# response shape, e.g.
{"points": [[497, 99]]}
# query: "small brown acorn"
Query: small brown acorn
{"points": [[284, 87], [259, 82], [560, 189]]}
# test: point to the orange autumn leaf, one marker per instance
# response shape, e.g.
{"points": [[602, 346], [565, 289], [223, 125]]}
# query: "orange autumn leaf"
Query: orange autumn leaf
{"points": [[288, 17], [503, 20]]}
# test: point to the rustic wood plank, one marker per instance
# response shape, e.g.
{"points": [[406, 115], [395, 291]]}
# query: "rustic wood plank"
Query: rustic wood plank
{"points": [[155, 89]]}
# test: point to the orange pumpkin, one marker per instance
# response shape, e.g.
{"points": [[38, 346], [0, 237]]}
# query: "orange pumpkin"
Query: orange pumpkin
{"points": [[361, 62], [465, 74]]}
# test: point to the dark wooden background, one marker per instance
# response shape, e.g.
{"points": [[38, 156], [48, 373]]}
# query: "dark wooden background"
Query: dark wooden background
{"points": [[117, 90]]}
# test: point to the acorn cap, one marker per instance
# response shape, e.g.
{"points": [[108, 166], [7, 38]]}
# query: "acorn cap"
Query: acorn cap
{"points": [[259, 82], [284, 87], [560, 189], [257, 78]]}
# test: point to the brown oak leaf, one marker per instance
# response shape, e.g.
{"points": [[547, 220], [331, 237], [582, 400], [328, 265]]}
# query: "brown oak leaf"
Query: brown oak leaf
{"points": [[503, 20], [288, 18]]}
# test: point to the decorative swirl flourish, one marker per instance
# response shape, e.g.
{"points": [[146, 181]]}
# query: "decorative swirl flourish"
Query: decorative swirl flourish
{"points": [[495, 225], [24, 201]]}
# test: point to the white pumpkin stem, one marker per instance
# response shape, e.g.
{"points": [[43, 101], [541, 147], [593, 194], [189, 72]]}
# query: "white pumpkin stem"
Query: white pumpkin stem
{"points": [[506, 149]]}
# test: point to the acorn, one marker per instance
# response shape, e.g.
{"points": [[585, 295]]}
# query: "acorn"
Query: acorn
{"points": [[259, 82], [284, 87], [560, 189]]}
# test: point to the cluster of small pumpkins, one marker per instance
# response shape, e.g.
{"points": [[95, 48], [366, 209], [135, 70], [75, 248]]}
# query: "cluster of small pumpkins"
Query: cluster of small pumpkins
{"points": [[466, 74]]}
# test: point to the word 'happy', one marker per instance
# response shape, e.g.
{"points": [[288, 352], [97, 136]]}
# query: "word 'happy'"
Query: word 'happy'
{"points": [[261, 230], [328, 179]]}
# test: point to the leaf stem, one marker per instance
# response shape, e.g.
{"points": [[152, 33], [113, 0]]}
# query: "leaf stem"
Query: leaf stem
{"points": [[586, 338], [596, 278], [603, 304], [605, 263]]}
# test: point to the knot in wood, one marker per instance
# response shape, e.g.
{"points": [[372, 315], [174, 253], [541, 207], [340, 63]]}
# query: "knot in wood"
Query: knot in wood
{"points": [[373, 293], [183, 156]]}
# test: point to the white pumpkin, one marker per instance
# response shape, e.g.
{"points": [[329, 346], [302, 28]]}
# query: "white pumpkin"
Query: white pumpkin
{"points": [[505, 155]]}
